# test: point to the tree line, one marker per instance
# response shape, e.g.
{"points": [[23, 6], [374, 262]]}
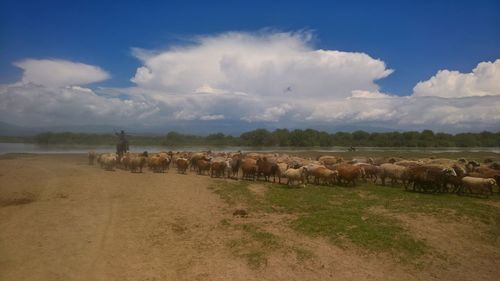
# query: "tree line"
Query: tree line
{"points": [[279, 137]]}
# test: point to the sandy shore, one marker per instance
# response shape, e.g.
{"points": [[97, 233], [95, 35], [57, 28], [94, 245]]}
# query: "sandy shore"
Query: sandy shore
{"points": [[61, 219]]}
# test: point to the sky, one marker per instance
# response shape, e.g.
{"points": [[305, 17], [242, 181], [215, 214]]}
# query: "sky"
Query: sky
{"points": [[230, 66]]}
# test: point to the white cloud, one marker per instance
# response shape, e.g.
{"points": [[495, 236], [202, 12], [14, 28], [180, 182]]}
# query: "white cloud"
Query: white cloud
{"points": [[212, 117], [268, 64], [369, 95], [278, 79], [484, 80], [50, 94], [270, 114], [35, 105], [56, 73]]}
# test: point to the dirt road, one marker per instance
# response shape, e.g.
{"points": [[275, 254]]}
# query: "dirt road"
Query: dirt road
{"points": [[61, 219]]}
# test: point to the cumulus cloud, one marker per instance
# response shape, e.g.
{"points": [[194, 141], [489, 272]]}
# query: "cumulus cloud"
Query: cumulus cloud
{"points": [[278, 79], [268, 64], [50, 94], [35, 105], [56, 73], [369, 95], [270, 114], [484, 80]]}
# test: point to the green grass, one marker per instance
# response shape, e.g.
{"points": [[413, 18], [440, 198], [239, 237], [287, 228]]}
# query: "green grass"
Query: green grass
{"points": [[254, 245], [345, 215], [342, 215]]}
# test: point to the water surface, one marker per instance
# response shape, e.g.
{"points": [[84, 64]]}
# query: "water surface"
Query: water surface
{"points": [[71, 149]]}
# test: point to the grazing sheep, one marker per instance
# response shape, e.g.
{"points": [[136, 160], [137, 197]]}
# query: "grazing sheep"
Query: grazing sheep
{"points": [[371, 171], [138, 162], [409, 163], [282, 167], [429, 177], [266, 168], [202, 165], [311, 169], [249, 168], [235, 165], [217, 169], [294, 175], [108, 161], [328, 160], [393, 172], [182, 165], [159, 163], [323, 175], [349, 173], [365, 160], [91, 157], [194, 159], [481, 185]]}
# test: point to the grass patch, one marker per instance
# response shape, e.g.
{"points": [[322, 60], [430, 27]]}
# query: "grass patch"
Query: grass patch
{"points": [[255, 245], [343, 215], [443, 206], [237, 193]]}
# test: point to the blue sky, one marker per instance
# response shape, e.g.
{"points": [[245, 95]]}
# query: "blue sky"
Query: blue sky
{"points": [[415, 39]]}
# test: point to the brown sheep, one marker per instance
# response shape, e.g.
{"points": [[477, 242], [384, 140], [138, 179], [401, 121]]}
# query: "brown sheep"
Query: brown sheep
{"points": [[137, 163], [217, 169], [194, 160], [249, 168], [235, 165], [323, 175], [349, 173], [330, 160], [266, 168], [182, 165], [371, 171], [202, 165], [159, 163], [429, 177]]}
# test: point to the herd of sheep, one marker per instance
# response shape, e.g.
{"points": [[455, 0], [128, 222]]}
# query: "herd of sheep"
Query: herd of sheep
{"points": [[424, 175]]}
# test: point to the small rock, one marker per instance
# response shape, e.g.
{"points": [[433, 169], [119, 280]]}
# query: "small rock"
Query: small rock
{"points": [[240, 213]]}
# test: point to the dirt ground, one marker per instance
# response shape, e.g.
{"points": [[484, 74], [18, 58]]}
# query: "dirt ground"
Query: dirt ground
{"points": [[61, 219]]}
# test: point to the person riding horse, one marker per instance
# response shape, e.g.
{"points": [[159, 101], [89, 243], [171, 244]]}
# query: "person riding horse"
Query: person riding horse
{"points": [[122, 145]]}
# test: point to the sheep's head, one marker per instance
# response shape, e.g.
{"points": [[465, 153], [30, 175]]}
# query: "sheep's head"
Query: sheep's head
{"points": [[449, 172]]}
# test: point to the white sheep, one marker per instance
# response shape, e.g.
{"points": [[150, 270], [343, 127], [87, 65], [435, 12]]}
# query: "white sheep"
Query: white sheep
{"points": [[392, 171], [296, 175], [483, 186]]}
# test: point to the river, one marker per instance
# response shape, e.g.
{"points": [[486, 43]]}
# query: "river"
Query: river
{"points": [[69, 149]]}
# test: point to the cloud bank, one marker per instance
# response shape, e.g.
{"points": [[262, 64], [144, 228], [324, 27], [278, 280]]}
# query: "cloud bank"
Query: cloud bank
{"points": [[272, 78], [49, 94]]}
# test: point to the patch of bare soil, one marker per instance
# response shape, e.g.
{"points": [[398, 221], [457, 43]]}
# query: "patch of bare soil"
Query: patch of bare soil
{"points": [[18, 199], [89, 224]]}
